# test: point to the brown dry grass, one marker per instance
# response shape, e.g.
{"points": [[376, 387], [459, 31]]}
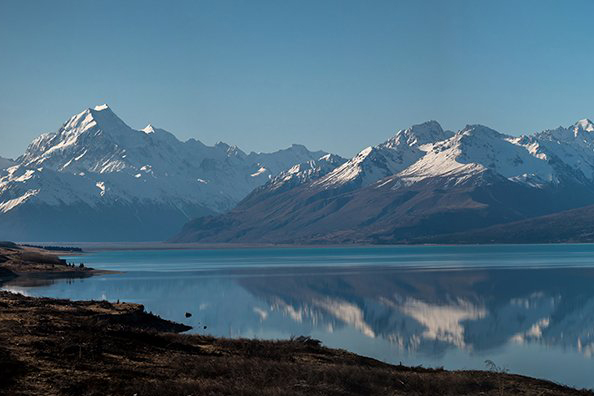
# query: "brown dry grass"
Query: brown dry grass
{"points": [[58, 347], [30, 260], [30, 266]]}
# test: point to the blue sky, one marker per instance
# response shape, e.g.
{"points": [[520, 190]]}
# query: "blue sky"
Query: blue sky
{"points": [[334, 75]]}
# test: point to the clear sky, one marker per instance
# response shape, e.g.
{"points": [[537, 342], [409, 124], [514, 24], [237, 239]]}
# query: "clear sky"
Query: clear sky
{"points": [[337, 75]]}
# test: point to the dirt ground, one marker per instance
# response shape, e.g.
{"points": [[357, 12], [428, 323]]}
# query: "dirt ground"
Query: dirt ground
{"points": [[59, 347], [20, 265]]}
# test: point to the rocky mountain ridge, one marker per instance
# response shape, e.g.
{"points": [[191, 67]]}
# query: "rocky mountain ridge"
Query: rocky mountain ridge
{"points": [[97, 179], [422, 182]]}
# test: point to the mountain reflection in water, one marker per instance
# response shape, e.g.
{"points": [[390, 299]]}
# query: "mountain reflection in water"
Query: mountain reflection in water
{"points": [[527, 320], [430, 311]]}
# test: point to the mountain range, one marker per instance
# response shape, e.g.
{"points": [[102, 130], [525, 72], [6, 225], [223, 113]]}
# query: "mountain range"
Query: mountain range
{"points": [[97, 179], [424, 184]]}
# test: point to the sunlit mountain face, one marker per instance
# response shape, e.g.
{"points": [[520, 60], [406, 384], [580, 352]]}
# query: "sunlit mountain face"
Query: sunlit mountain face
{"points": [[98, 179], [425, 185]]}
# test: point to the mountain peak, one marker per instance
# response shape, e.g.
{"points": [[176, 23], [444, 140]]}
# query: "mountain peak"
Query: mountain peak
{"points": [[332, 158], [97, 121], [419, 134], [476, 129], [585, 125], [101, 116], [101, 107], [148, 129]]}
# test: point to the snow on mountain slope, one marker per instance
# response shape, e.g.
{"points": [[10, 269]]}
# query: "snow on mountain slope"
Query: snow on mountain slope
{"points": [[423, 181], [298, 175], [476, 149], [98, 146], [386, 159], [95, 160], [426, 151], [305, 172], [570, 148]]}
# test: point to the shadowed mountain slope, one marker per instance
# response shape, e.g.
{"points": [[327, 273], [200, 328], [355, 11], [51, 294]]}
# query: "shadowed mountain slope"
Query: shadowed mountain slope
{"points": [[422, 182]]}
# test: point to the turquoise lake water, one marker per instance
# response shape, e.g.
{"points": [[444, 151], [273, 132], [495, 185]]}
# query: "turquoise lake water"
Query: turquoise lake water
{"points": [[528, 308]]}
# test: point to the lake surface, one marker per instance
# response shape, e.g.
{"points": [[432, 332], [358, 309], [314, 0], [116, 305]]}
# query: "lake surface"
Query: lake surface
{"points": [[529, 308]]}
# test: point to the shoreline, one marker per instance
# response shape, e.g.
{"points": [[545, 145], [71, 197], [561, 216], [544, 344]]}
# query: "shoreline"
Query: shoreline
{"points": [[104, 322], [23, 264], [91, 247], [63, 347]]}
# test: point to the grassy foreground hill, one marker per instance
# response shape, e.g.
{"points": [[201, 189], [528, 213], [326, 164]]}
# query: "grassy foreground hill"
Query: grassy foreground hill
{"points": [[62, 347], [59, 347], [18, 260]]}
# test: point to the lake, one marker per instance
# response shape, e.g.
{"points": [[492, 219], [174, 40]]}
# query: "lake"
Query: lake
{"points": [[527, 308]]}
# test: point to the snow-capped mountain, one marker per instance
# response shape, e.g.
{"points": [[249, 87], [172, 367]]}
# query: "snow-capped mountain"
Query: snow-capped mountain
{"points": [[394, 155], [423, 181], [96, 178], [548, 157], [302, 173]]}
